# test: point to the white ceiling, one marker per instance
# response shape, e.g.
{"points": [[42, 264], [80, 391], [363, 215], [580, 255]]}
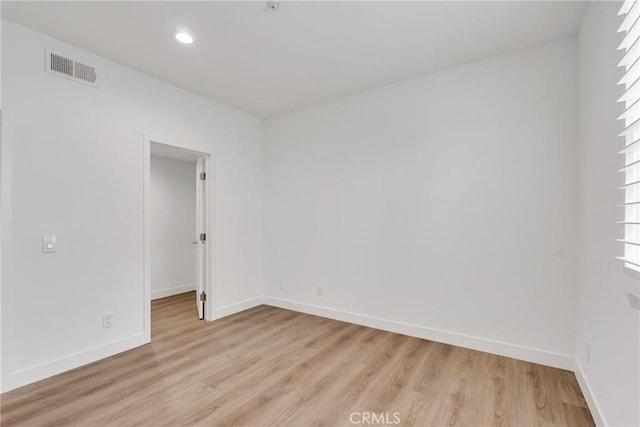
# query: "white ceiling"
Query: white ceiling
{"points": [[266, 63]]}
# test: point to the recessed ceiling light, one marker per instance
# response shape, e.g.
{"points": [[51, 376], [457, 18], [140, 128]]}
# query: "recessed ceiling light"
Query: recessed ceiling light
{"points": [[183, 37], [273, 5]]}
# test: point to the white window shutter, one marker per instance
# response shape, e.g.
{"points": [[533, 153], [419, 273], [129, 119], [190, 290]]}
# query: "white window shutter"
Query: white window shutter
{"points": [[631, 134]]}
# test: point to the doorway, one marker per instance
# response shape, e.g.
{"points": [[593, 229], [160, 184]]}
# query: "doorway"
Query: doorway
{"points": [[177, 212]]}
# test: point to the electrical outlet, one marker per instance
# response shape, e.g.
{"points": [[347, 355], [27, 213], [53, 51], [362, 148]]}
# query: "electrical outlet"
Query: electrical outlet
{"points": [[48, 244], [319, 291], [587, 351], [107, 320]]}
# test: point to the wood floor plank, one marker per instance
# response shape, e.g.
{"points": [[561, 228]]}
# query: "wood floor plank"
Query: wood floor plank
{"points": [[272, 367]]}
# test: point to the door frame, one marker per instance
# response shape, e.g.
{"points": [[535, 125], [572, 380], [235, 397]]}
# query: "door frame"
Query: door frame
{"points": [[209, 220]]}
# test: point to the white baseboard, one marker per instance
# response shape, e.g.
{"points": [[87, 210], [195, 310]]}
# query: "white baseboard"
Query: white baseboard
{"points": [[45, 370], [585, 387], [528, 354], [228, 310], [163, 293]]}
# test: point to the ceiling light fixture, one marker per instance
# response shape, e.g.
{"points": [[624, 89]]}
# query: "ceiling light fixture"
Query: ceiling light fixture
{"points": [[273, 5], [183, 37]]}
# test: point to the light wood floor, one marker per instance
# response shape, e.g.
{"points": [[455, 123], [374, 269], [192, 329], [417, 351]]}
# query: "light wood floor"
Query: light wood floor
{"points": [[272, 367]]}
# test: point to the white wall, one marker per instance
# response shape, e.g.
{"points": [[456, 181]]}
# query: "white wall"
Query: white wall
{"points": [[445, 204], [609, 315], [76, 158], [173, 226], [1, 198]]}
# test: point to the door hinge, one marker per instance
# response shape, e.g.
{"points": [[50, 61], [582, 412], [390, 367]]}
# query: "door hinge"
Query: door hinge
{"points": [[203, 237], [203, 175], [203, 296]]}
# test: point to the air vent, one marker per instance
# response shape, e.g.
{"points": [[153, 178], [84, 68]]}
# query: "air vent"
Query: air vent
{"points": [[60, 64], [68, 68], [84, 72]]}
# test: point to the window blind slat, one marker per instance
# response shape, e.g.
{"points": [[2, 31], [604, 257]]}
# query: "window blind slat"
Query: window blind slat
{"points": [[630, 38], [628, 242], [630, 18], [630, 147], [631, 113], [629, 261], [630, 56], [634, 127], [631, 75], [630, 165], [630, 184], [631, 94], [626, 7]]}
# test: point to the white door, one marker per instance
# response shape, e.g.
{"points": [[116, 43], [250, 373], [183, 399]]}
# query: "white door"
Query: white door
{"points": [[201, 236]]}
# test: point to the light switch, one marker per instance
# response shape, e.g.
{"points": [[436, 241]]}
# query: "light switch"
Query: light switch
{"points": [[48, 244]]}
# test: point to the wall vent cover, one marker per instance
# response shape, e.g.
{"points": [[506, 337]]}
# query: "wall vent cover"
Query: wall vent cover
{"points": [[70, 69]]}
